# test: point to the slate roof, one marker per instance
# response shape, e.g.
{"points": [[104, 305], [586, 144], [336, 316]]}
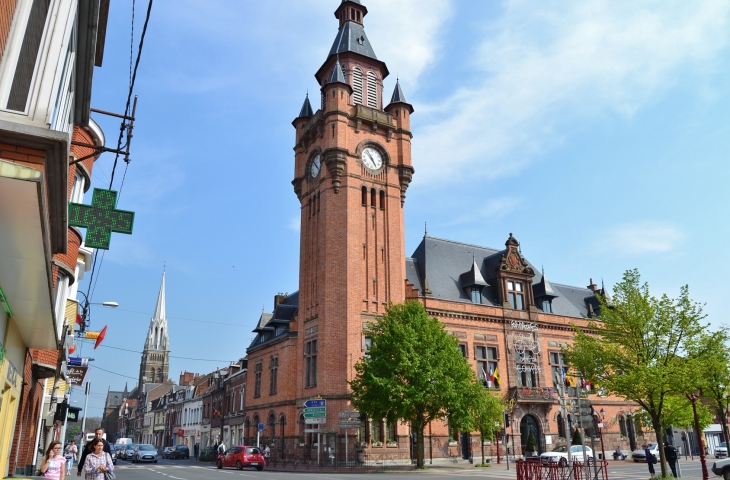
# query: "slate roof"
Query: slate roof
{"points": [[337, 75], [276, 324], [306, 110], [398, 96], [443, 262], [351, 38]]}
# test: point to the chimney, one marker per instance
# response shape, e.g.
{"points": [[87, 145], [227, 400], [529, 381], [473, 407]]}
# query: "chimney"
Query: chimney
{"points": [[278, 298], [592, 287]]}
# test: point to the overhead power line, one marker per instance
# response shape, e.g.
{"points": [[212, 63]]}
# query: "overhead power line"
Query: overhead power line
{"points": [[182, 318], [171, 356], [113, 373]]}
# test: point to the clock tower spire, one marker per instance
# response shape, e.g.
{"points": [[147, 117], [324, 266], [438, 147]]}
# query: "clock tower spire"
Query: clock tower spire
{"points": [[352, 166]]}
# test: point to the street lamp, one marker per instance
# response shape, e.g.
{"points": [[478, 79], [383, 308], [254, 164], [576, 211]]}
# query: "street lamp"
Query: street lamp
{"points": [[602, 413], [86, 311]]}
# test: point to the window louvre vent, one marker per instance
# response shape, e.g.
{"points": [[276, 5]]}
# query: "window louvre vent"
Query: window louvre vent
{"points": [[357, 86], [372, 90]]}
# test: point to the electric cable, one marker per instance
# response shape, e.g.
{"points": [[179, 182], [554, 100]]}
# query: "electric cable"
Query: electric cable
{"points": [[171, 356], [114, 373], [182, 318]]}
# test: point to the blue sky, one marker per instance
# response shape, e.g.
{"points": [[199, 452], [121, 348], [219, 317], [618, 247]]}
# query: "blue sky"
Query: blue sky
{"points": [[596, 132]]}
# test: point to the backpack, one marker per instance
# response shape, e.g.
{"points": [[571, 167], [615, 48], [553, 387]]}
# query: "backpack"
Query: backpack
{"points": [[653, 459], [221, 448]]}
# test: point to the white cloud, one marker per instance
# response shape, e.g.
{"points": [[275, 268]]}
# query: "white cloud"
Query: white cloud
{"points": [[542, 65], [490, 209], [294, 223], [641, 238]]}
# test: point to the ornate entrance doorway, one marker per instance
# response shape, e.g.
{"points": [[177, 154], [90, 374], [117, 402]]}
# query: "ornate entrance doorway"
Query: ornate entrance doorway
{"points": [[530, 424]]}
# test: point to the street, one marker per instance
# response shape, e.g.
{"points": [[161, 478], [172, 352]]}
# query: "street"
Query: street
{"points": [[190, 470]]}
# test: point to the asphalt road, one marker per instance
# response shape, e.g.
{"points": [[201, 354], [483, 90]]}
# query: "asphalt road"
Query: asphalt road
{"points": [[190, 470]]}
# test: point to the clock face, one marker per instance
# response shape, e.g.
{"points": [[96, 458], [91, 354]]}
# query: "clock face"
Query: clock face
{"points": [[371, 158], [316, 166]]}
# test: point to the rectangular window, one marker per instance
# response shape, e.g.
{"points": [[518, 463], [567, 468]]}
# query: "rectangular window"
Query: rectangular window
{"points": [[310, 360], [476, 295], [273, 374], [463, 349], [376, 434], [367, 344], [487, 366], [25, 67], [257, 370], [391, 433], [557, 366], [547, 306], [515, 295], [526, 369]]}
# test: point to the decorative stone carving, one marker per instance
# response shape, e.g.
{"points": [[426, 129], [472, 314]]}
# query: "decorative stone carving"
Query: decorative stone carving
{"points": [[336, 160], [297, 182], [405, 175], [513, 261]]}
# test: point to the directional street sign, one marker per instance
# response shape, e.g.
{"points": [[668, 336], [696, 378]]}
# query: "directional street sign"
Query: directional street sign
{"points": [[349, 423], [315, 415], [349, 414], [315, 403], [315, 420], [315, 410], [314, 430]]}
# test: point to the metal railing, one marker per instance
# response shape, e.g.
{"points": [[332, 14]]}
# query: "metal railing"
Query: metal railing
{"points": [[535, 470]]}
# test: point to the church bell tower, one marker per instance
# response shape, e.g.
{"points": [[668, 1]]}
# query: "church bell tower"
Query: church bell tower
{"points": [[352, 167], [155, 362]]}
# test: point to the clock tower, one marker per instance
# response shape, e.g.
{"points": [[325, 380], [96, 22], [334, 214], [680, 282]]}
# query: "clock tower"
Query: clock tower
{"points": [[352, 166]]}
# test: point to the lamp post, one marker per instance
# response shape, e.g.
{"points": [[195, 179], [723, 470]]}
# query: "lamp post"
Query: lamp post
{"points": [[86, 310], [693, 398], [600, 429]]}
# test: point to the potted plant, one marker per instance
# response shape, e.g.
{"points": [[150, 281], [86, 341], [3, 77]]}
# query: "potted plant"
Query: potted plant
{"points": [[301, 442], [452, 442], [377, 443], [531, 445], [391, 443]]}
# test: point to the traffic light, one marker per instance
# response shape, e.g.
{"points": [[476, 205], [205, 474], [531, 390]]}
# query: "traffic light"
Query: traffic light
{"points": [[506, 420], [60, 415]]}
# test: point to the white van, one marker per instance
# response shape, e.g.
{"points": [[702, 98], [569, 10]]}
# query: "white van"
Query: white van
{"points": [[90, 436], [123, 441]]}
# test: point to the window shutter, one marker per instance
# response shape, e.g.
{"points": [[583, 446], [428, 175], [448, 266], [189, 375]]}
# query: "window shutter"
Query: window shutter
{"points": [[357, 86], [372, 90]]}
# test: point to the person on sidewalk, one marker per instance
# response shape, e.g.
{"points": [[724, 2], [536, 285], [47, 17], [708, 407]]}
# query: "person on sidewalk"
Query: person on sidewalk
{"points": [[196, 451], [70, 456], [650, 460], [89, 448], [53, 464], [671, 455]]}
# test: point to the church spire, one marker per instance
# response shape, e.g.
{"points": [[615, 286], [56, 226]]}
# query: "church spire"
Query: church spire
{"points": [[157, 337]]}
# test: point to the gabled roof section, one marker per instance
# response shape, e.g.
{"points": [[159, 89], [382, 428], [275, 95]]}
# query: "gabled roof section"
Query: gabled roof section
{"points": [[398, 96], [351, 38], [276, 324], [473, 277], [337, 75], [544, 289], [443, 264]]}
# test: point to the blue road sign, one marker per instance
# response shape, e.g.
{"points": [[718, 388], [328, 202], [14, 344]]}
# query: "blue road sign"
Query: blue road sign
{"points": [[315, 403], [261, 427]]}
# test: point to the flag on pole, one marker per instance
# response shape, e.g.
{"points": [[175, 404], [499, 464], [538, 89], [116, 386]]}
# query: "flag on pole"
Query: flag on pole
{"points": [[487, 379], [495, 377]]}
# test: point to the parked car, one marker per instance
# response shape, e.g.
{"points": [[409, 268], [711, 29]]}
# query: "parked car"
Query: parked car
{"points": [[721, 450], [129, 451], [722, 467], [242, 456], [145, 453], [167, 452], [114, 457], [638, 455], [180, 451], [559, 455]]}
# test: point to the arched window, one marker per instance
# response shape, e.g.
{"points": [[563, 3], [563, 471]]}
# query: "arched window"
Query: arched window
{"points": [[272, 425], [152, 375], [622, 425], [357, 86], [382, 200], [561, 426], [154, 340], [162, 335], [247, 431], [364, 195], [372, 87], [159, 375], [372, 197]]}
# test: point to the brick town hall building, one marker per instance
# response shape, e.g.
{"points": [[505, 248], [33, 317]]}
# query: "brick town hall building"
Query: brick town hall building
{"points": [[352, 167]]}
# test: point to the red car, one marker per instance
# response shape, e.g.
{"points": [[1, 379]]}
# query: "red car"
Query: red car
{"points": [[242, 456]]}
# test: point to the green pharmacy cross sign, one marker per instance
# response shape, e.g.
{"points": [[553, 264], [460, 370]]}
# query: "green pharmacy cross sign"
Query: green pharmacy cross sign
{"points": [[101, 218]]}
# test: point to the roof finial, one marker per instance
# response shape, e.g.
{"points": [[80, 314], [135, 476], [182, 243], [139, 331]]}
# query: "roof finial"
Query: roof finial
{"points": [[425, 229], [164, 266]]}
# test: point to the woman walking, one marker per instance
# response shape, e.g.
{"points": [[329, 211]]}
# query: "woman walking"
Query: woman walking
{"points": [[98, 461], [53, 464], [649, 460], [71, 452]]}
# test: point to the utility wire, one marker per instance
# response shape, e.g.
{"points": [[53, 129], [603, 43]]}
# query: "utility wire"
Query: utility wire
{"points": [[114, 373], [171, 356], [132, 79], [182, 318]]}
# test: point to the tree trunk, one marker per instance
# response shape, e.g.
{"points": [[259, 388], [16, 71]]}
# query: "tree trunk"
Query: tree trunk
{"points": [[481, 440], [657, 425], [419, 426]]}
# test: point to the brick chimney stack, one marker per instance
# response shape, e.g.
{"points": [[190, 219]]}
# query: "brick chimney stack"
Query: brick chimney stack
{"points": [[592, 287]]}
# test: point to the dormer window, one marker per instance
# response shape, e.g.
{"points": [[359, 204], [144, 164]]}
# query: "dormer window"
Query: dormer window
{"points": [[476, 295], [515, 295], [547, 305]]}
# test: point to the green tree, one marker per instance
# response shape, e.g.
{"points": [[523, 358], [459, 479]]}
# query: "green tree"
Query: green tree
{"points": [[71, 432], [531, 444], [488, 413], [638, 348], [712, 350], [415, 372]]}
